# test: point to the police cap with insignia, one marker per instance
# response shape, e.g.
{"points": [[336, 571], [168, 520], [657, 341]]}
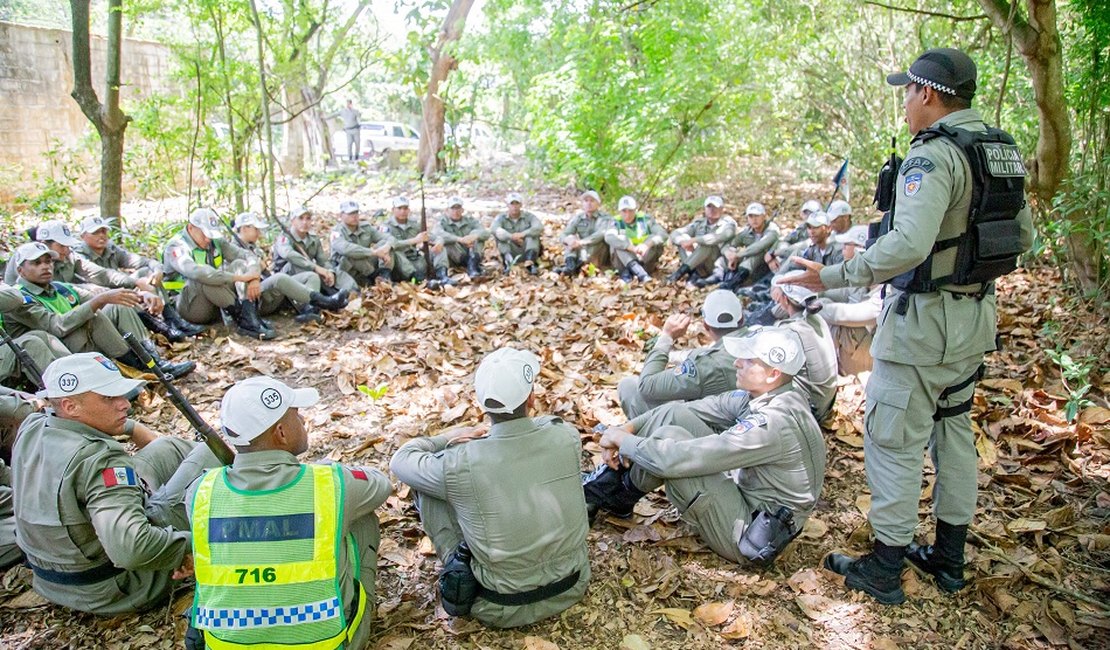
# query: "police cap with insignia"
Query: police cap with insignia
{"points": [[945, 69], [252, 406]]}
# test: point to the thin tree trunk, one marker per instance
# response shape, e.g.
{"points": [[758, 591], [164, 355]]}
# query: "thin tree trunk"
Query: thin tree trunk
{"points": [[429, 157], [267, 124]]}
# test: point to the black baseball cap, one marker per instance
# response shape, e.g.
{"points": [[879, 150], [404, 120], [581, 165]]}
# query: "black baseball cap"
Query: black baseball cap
{"points": [[945, 69]]}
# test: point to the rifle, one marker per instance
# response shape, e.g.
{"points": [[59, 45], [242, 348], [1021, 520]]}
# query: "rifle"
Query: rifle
{"points": [[205, 432], [231, 231], [25, 360], [428, 264]]}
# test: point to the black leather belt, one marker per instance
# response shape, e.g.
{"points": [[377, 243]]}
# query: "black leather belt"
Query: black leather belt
{"points": [[77, 578], [532, 596]]}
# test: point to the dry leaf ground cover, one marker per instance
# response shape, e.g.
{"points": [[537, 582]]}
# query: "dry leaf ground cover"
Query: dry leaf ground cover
{"points": [[396, 365]]}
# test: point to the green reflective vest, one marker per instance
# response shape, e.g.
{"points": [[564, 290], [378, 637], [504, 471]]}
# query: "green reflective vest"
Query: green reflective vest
{"points": [[63, 300], [637, 232], [267, 563], [176, 282]]}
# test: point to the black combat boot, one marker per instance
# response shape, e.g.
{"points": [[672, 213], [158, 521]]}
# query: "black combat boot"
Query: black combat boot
{"points": [[571, 266], [507, 262], [383, 274], [174, 370], [533, 263], [625, 274], [443, 278], [171, 316], [307, 314], [680, 273], [713, 278], [943, 560], [879, 573], [474, 265], [159, 326], [245, 315], [334, 302], [733, 279], [637, 270], [607, 489]]}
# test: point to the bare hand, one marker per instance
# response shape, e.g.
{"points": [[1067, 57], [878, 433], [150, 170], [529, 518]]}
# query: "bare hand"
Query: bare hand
{"points": [[688, 245], [676, 324], [437, 248], [144, 284], [122, 297], [461, 435], [142, 435], [153, 303], [254, 290], [573, 243], [247, 277], [517, 237], [185, 570], [811, 279], [421, 237]]}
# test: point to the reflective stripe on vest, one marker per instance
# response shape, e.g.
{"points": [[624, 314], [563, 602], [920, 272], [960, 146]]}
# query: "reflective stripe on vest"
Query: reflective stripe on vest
{"points": [[267, 563], [637, 232], [200, 256], [63, 301]]}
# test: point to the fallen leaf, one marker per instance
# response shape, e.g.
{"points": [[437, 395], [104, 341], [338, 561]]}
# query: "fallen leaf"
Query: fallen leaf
{"points": [[536, 643], [642, 534], [863, 503], [814, 529], [804, 581], [813, 606], [715, 613], [739, 628], [1023, 525], [634, 642], [1095, 415], [677, 615]]}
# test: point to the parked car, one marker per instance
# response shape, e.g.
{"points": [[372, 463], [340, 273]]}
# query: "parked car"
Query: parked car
{"points": [[378, 138]]}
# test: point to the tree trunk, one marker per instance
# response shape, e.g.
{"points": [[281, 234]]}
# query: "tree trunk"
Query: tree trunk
{"points": [[108, 119], [429, 160], [293, 132]]}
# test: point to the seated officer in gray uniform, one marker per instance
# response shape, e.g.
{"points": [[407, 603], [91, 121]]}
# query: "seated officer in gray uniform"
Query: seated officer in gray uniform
{"points": [[409, 263], [143, 273], [699, 242], [770, 457], [359, 249], [852, 312], [584, 236], [706, 371], [103, 531], [508, 505], [742, 261], [306, 253], [279, 290], [261, 417], [41, 346], [457, 240], [212, 275], [83, 321], [518, 232], [635, 241], [939, 318], [817, 378]]}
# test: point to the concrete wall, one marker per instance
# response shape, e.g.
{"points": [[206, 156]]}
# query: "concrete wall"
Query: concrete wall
{"points": [[36, 77]]}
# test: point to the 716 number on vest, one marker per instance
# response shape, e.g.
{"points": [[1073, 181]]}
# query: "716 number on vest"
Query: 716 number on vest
{"points": [[267, 574]]}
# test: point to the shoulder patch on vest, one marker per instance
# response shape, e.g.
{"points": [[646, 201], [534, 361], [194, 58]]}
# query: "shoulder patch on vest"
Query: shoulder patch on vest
{"points": [[912, 184], [688, 367], [917, 162], [27, 299], [114, 476]]}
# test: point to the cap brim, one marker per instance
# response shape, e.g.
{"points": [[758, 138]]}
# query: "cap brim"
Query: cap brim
{"points": [[898, 79], [740, 346], [119, 387], [304, 398], [67, 241], [211, 233]]}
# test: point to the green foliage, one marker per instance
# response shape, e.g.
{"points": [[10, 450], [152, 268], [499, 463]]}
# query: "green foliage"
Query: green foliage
{"points": [[1075, 375]]}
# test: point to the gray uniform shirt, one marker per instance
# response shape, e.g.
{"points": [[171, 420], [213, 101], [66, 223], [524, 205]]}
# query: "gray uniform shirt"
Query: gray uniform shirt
{"points": [[700, 230], [749, 243], [588, 228], [116, 258], [504, 226], [938, 327], [178, 262], [771, 449], [33, 315], [358, 244], [449, 232], [403, 235], [706, 371], [288, 257], [817, 378]]}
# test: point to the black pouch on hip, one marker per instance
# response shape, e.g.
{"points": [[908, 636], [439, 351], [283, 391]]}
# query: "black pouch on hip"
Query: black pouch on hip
{"points": [[458, 588], [767, 535]]}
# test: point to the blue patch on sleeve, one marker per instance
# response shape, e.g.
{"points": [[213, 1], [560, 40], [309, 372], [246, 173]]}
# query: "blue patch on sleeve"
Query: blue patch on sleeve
{"points": [[688, 367], [912, 184]]}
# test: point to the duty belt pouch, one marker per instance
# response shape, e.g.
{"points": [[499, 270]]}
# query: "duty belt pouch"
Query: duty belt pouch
{"points": [[458, 588], [767, 535]]}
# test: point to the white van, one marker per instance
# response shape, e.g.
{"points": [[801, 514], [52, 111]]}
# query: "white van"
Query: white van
{"points": [[378, 138]]}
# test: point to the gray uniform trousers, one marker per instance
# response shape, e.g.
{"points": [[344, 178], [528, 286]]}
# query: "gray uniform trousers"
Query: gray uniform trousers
{"points": [[510, 247], [596, 254], [361, 270], [169, 465], [281, 287], [621, 258], [711, 504], [901, 401], [101, 334], [456, 254], [40, 346], [701, 259], [201, 303]]}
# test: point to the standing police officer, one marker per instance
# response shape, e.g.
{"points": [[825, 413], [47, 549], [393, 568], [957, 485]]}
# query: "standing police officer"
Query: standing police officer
{"points": [[937, 321]]}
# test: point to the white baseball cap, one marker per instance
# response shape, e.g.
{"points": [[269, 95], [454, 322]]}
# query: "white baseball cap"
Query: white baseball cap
{"points": [[253, 405], [590, 194], [755, 208], [811, 206], [797, 294], [94, 223], [207, 221], [453, 201], [55, 230], [298, 211], [855, 236], [504, 379], [777, 347], [626, 203], [400, 202], [817, 219], [244, 219], [714, 200], [839, 208], [722, 309], [515, 197], [31, 251], [83, 373], [348, 207]]}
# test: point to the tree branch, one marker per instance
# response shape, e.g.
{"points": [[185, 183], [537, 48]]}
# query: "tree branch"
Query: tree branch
{"points": [[923, 12], [83, 92]]}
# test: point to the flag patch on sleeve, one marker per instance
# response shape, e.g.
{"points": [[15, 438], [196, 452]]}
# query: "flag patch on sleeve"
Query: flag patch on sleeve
{"points": [[913, 184], [119, 476], [360, 474]]}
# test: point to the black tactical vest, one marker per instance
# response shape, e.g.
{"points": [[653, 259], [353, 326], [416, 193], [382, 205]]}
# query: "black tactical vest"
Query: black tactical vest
{"points": [[990, 246]]}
